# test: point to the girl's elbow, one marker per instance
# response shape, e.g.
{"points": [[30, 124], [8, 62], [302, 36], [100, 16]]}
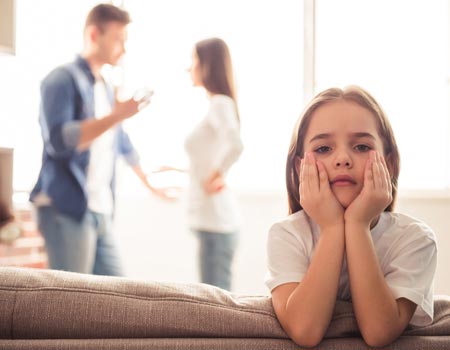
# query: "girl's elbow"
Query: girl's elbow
{"points": [[306, 336], [306, 340], [58, 146], [377, 342], [378, 338]]}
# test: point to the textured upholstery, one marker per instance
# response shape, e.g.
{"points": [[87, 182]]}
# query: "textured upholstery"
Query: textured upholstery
{"points": [[44, 309]]}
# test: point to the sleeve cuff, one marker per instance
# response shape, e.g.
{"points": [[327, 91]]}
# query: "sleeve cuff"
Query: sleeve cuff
{"points": [[423, 315], [273, 282], [71, 133], [132, 158]]}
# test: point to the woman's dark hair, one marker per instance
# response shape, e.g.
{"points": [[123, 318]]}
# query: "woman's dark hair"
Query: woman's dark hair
{"points": [[216, 67]]}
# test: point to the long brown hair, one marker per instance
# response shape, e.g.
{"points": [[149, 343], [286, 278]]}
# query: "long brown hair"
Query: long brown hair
{"points": [[361, 97], [216, 67]]}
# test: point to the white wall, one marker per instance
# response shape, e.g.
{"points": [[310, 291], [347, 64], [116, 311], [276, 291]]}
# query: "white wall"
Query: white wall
{"points": [[435, 211], [156, 244]]}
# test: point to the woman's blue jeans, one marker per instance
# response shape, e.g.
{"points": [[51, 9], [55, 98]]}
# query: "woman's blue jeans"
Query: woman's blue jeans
{"points": [[216, 252]]}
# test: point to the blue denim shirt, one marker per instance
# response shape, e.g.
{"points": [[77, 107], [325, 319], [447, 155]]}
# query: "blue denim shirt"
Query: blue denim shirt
{"points": [[67, 98]]}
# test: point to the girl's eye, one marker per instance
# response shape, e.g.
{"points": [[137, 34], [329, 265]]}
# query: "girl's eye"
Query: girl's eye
{"points": [[322, 149], [363, 148]]}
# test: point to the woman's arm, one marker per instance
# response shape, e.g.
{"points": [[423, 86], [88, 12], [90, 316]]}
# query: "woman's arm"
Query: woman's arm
{"points": [[305, 309], [380, 317], [223, 119]]}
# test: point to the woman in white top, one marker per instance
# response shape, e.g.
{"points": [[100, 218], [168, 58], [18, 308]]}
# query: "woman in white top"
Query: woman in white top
{"points": [[213, 146]]}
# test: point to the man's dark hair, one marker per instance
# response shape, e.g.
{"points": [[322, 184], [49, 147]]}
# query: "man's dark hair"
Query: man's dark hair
{"points": [[102, 14]]}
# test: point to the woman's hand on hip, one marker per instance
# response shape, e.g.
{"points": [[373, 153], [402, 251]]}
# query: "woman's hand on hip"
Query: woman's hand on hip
{"points": [[214, 183]]}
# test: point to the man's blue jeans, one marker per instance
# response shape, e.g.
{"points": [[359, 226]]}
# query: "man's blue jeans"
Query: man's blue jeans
{"points": [[216, 254], [86, 247]]}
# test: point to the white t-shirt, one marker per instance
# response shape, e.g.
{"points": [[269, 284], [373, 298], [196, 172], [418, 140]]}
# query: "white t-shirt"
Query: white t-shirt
{"points": [[101, 162], [214, 144], [405, 247]]}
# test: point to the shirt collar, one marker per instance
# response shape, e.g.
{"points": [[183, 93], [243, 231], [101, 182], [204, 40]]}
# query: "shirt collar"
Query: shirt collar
{"points": [[84, 65]]}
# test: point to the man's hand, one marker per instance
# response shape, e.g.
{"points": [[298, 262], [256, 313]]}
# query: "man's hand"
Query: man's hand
{"points": [[166, 193], [125, 109]]}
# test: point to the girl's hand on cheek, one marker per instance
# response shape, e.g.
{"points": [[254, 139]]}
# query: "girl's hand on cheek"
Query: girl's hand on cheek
{"points": [[376, 194], [316, 196]]}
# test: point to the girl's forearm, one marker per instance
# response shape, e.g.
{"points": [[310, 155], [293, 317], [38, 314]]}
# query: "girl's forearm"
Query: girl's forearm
{"points": [[310, 306], [376, 310]]}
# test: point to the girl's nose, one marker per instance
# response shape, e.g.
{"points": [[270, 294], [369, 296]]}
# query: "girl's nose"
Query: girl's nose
{"points": [[343, 160], [346, 163]]}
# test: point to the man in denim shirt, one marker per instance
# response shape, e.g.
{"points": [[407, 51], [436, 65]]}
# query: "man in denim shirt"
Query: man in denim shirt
{"points": [[82, 134]]}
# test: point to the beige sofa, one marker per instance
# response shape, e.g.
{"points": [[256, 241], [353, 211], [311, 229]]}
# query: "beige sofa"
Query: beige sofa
{"points": [[44, 309]]}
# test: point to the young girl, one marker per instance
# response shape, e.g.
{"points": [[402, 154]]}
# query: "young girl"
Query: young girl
{"points": [[342, 240], [213, 147]]}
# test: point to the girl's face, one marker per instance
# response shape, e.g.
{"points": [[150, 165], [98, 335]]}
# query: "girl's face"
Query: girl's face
{"points": [[195, 70], [340, 135]]}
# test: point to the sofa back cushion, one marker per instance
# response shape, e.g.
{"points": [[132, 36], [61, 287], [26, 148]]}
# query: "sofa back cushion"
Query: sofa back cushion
{"points": [[48, 304]]}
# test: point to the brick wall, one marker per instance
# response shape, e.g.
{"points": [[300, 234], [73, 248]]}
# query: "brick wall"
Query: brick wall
{"points": [[28, 250]]}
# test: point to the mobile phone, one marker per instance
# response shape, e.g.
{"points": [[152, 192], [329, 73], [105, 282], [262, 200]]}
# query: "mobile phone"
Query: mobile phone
{"points": [[143, 96]]}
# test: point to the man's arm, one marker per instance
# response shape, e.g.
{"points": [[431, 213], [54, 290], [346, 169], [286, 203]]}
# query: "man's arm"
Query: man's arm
{"points": [[62, 131], [160, 192], [92, 128]]}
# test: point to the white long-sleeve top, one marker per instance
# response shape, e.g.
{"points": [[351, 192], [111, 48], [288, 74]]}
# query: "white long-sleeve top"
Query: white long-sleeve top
{"points": [[214, 144]]}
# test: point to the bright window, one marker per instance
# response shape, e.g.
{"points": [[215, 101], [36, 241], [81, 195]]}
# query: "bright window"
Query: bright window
{"points": [[265, 40], [399, 51], [48, 33]]}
